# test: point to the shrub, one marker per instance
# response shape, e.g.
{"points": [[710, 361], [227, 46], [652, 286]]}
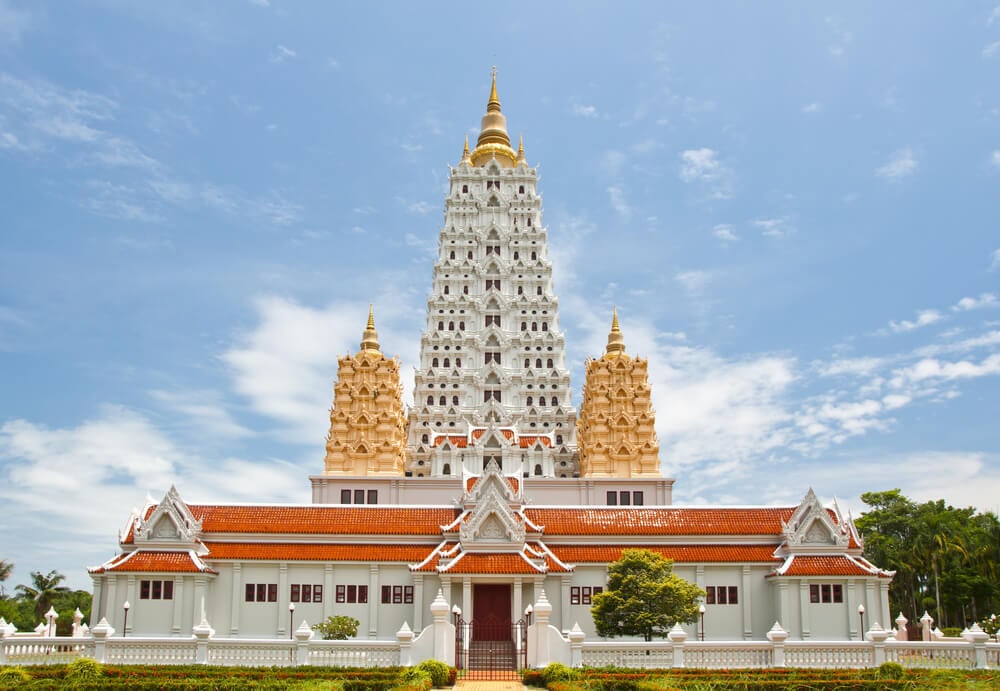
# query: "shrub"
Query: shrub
{"points": [[952, 631], [890, 670], [338, 628], [414, 677], [84, 670], [439, 672], [533, 677], [13, 677], [559, 672]]}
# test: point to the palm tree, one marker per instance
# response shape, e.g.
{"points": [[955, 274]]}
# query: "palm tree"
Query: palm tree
{"points": [[6, 567], [43, 589]]}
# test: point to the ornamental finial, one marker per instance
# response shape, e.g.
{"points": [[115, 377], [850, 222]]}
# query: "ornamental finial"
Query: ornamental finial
{"points": [[369, 341], [494, 99], [465, 151], [520, 150], [616, 343]]}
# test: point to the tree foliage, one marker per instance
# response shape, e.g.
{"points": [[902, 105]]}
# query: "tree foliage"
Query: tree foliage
{"points": [[946, 559], [338, 628], [43, 590], [644, 597]]}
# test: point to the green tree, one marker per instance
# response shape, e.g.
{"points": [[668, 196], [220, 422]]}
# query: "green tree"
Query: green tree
{"points": [[644, 597], [43, 590], [338, 628], [6, 567]]}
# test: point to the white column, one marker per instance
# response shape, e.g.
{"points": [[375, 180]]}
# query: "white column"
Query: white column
{"points": [[565, 613], [747, 605], [130, 595], [853, 600], [283, 595], [328, 592], [98, 608], [804, 624], [699, 580], [200, 588], [236, 599], [178, 604], [373, 600], [467, 605], [418, 602], [518, 610]]}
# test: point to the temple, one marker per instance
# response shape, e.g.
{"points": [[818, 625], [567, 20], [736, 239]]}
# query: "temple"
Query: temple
{"points": [[490, 490]]}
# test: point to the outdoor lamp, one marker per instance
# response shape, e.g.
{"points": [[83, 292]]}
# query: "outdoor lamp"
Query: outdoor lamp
{"points": [[861, 621], [291, 615], [701, 611], [527, 613], [456, 612], [125, 606]]}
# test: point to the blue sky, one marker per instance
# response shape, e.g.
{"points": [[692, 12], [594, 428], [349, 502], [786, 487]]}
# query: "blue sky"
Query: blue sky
{"points": [[794, 206]]}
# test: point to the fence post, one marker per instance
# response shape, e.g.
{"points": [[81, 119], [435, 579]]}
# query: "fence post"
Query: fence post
{"points": [[777, 636], [444, 631], [405, 638], [540, 629], [303, 635], [677, 637], [925, 626], [202, 632], [901, 632], [4, 632], [877, 635], [576, 637], [101, 633], [977, 637]]}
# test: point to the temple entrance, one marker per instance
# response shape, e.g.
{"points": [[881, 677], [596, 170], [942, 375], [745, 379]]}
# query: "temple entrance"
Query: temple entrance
{"points": [[491, 604], [491, 643]]}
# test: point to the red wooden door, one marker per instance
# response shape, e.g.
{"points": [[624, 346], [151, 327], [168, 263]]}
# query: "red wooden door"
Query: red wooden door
{"points": [[491, 613]]}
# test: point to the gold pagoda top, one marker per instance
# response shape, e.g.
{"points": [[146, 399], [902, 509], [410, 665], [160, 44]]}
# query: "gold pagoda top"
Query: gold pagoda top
{"points": [[616, 342], [369, 341], [493, 138]]}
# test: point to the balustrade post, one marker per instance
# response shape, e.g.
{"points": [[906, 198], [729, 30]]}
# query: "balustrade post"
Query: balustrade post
{"points": [[925, 626], [101, 633], [677, 637], [444, 631], [877, 635], [4, 632], [777, 636], [202, 632], [540, 630], [303, 635], [576, 637], [901, 632], [405, 638], [977, 637]]}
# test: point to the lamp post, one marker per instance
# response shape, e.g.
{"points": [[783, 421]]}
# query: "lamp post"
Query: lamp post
{"points": [[456, 613], [291, 616], [527, 614], [701, 611], [861, 621], [125, 606]]}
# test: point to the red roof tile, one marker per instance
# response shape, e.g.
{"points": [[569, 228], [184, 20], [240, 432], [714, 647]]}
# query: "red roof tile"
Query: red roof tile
{"points": [[660, 521], [528, 442], [316, 552], [832, 565], [154, 562], [604, 554], [323, 520], [457, 440]]}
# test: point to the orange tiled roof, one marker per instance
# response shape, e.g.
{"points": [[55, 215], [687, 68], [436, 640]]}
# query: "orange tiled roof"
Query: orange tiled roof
{"points": [[480, 563], [529, 441], [828, 565], [315, 552], [471, 482], [130, 536], [150, 561], [457, 440], [660, 521], [574, 554], [323, 520], [477, 434]]}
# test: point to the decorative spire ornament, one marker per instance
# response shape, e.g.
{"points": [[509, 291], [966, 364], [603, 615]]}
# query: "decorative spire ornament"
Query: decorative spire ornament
{"points": [[369, 341], [616, 343]]}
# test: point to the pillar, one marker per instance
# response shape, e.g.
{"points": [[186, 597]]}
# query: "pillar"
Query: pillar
{"points": [[236, 599]]}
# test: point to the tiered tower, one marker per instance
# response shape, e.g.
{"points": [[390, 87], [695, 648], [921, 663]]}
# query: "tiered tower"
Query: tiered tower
{"points": [[617, 432], [492, 382], [367, 421]]}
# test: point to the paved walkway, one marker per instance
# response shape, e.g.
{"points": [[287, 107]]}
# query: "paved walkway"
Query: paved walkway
{"points": [[475, 685]]}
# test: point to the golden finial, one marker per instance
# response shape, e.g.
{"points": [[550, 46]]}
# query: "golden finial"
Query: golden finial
{"points": [[369, 341], [493, 140], [520, 151], [494, 102], [616, 343], [465, 151]]}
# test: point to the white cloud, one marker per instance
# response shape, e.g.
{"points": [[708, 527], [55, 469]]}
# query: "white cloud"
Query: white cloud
{"points": [[813, 107], [420, 207], [703, 166], [9, 140], [900, 165], [994, 16], [924, 318], [694, 282], [204, 412], [282, 53], [612, 162], [992, 50], [13, 23], [995, 158], [618, 201], [774, 227], [971, 303], [585, 111], [261, 3], [700, 164], [724, 232], [995, 261]]}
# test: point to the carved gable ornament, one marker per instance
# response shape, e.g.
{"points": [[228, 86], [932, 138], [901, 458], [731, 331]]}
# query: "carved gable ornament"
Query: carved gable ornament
{"points": [[811, 528], [492, 521], [171, 523]]}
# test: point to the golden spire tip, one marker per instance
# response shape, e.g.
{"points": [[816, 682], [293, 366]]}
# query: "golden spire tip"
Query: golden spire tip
{"points": [[371, 316], [616, 344]]}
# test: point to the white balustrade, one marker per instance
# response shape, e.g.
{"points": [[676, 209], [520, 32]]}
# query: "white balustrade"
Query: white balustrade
{"points": [[44, 651], [937, 654], [149, 651], [824, 654], [629, 654], [243, 652], [732, 655], [353, 653]]}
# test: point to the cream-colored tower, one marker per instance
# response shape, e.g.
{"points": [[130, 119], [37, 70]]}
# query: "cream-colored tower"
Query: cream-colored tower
{"points": [[616, 432], [367, 422]]}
